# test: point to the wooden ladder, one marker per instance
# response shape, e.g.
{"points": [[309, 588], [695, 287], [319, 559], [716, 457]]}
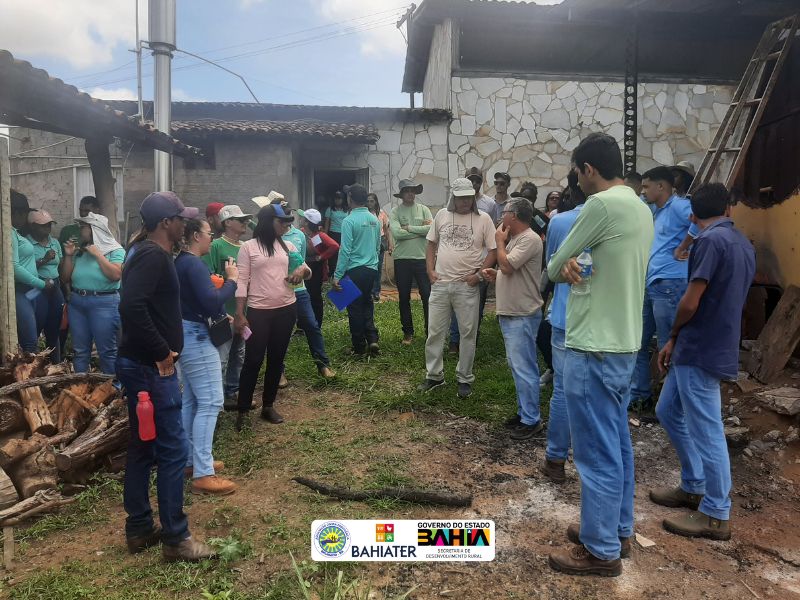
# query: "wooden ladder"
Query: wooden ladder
{"points": [[726, 156]]}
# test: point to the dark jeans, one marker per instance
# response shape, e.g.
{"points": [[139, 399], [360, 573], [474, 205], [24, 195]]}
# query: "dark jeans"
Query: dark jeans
{"points": [[543, 342], [337, 237], [272, 329], [314, 287], [308, 323], [168, 451], [27, 335], [406, 270], [455, 337], [361, 312], [49, 310]]}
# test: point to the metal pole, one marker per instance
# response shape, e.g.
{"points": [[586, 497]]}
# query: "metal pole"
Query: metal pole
{"points": [[140, 104], [162, 43]]}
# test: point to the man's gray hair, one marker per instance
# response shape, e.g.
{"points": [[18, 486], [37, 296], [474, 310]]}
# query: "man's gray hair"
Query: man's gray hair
{"points": [[522, 208]]}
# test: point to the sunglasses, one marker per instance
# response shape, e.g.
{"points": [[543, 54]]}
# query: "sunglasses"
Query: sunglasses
{"points": [[242, 219]]}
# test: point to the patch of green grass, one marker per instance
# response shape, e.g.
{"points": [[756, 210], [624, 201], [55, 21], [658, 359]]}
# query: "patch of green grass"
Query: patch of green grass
{"points": [[72, 581], [389, 381], [242, 453]]}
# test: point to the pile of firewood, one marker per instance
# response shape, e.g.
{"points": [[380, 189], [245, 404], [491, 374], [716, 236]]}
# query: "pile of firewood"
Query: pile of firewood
{"points": [[55, 427]]}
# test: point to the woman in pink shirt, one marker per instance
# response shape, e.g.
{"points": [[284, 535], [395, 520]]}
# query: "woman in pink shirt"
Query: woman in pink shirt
{"points": [[264, 292]]}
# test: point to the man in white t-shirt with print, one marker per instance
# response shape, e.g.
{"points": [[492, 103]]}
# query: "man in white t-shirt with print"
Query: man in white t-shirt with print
{"points": [[461, 242]]}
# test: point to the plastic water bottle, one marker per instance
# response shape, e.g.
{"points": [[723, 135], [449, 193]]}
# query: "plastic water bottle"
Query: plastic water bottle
{"points": [[144, 412], [585, 261]]}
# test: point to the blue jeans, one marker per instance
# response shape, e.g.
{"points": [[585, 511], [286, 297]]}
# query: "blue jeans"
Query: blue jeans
{"points": [[27, 335], [307, 321], [598, 395], [168, 451], [658, 312], [519, 334], [558, 440], [49, 311], [689, 409], [200, 375], [94, 319], [231, 357]]}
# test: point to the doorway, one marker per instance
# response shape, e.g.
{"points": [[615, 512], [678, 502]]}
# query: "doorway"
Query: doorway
{"points": [[329, 181]]}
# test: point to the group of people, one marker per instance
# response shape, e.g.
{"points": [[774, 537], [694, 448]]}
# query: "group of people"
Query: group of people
{"points": [[192, 311]]}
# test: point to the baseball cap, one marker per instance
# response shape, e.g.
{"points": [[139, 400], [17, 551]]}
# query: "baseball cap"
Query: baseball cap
{"points": [[275, 211], [231, 211], [213, 208], [312, 215], [686, 166], [473, 172], [164, 205], [40, 217], [462, 187]]}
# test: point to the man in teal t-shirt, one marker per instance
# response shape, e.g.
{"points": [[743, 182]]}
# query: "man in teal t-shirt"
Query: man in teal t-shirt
{"points": [[358, 259], [604, 329]]}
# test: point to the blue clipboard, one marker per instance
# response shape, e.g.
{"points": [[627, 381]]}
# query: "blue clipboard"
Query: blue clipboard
{"points": [[343, 299]]}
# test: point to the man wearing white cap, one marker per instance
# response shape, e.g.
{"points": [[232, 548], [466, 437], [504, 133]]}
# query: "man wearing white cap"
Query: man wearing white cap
{"points": [[231, 354], [461, 242]]}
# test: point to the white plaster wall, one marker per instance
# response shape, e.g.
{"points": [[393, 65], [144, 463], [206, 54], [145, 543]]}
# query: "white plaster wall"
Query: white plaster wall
{"points": [[529, 128]]}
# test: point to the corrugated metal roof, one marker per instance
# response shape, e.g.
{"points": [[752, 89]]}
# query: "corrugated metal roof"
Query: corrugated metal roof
{"points": [[31, 97], [345, 132]]}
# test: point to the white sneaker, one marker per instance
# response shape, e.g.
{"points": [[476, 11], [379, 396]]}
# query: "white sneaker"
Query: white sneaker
{"points": [[547, 377]]}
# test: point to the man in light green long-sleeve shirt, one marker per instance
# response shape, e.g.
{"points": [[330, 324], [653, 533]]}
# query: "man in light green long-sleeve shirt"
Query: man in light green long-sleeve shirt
{"points": [[604, 329], [358, 259], [410, 223]]}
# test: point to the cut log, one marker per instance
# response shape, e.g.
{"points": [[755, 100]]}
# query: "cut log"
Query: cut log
{"points": [[67, 410], [107, 431], [33, 405], [58, 369], [14, 451], [12, 417], [54, 380], [35, 472], [8, 493], [22, 507], [778, 339], [102, 394], [406, 494], [115, 462]]}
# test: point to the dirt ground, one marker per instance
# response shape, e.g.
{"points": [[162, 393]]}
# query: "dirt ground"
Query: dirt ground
{"points": [[531, 514]]}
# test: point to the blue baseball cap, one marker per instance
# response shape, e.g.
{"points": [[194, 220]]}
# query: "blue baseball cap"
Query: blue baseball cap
{"points": [[164, 205]]}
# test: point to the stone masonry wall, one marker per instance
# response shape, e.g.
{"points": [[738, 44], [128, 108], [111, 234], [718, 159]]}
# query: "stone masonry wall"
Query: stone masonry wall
{"points": [[529, 128]]}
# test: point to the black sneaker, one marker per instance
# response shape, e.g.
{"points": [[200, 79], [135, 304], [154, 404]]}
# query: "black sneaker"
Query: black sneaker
{"points": [[513, 422], [464, 390], [429, 384], [374, 349], [526, 432]]}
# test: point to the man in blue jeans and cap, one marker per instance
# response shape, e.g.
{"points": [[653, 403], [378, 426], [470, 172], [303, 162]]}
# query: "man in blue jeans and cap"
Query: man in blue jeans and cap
{"points": [[604, 333], [703, 349], [152, 339]]}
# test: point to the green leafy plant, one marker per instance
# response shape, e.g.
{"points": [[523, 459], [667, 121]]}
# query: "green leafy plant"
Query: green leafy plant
{"points": [[230, 548]]}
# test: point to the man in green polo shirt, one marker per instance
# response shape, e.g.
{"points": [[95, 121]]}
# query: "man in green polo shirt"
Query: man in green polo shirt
{"points": [[358, 259], [604, 329], [410, 223]]}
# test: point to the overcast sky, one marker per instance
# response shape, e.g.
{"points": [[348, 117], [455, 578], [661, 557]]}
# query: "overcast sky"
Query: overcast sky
{"points": [[346, 52]]}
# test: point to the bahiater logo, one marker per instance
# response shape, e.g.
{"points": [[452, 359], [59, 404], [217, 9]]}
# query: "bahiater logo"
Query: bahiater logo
{"points": [[384, 532], [332, 538]]}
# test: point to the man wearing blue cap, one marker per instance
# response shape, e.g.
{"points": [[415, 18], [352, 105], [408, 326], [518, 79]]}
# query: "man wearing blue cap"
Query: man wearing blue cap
{"points": [[152, 339]]}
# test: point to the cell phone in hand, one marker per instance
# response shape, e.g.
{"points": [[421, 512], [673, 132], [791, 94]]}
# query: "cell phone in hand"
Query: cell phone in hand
{"points": [[246, 333]]}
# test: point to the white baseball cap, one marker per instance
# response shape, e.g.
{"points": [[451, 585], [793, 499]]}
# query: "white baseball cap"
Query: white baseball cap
{"points": [[231, 211], [311, 215], [462, 187]]}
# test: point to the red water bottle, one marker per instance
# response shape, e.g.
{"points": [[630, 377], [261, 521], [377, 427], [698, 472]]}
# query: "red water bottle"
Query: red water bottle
{"points": [[144, 412]]}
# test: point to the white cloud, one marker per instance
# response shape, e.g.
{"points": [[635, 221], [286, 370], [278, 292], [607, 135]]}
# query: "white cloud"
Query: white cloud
{"points": [[179, 95], [83, 33], [112, 93]]}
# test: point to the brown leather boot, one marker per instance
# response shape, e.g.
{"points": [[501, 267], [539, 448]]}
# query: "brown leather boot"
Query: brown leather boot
{"points": [[212, 484], [554, 470], [577, 560], [268, 413], [140, 543], [574, 536], [218, 466], [696, 524], [327, 372], [675, 498], [189, 550]]}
